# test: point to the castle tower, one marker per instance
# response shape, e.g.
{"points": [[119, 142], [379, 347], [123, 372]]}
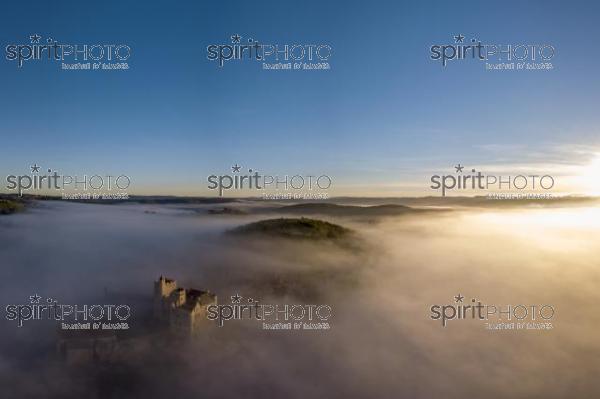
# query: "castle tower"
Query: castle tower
{"points": [[164, 286], [162, 290], [183, 310]]}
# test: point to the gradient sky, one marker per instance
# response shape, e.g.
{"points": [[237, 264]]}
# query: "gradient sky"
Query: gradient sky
{"points": [[380, 122]]}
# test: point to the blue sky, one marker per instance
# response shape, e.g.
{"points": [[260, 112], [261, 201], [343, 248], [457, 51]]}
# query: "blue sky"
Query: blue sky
{"points": [[382, 120]]}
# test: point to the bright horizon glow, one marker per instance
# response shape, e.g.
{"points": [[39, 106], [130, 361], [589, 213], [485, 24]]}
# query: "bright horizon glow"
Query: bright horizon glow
{"points": [[589, 179], [552, 229]]}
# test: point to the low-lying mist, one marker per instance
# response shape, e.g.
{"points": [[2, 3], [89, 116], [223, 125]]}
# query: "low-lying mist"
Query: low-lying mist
{"points": [[382, 343]]}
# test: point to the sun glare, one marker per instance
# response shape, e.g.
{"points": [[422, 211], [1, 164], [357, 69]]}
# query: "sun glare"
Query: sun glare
{"points": [[560, 230], [590, 177]]}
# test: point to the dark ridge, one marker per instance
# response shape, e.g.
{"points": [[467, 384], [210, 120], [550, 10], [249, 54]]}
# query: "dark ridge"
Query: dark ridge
{"points": [[346, 210], [227, 211], [8, 206], [294, 228]]}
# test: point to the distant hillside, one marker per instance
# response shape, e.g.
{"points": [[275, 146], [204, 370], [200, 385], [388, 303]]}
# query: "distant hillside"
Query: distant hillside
{"points": [[330, 209], [227, 211], [296, 228], [301, 235], [138, 199], [343, 206]]}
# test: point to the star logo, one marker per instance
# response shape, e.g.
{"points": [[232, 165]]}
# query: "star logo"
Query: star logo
{"points": [[458, 298], [459, 38], [236, 168], [35, 298], [236, 298], [235, 38], [35, 168], [459, 168], [35, 38]]}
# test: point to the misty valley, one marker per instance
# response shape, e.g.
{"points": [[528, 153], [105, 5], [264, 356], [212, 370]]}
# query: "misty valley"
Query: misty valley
{"points": [[257, 266]]}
